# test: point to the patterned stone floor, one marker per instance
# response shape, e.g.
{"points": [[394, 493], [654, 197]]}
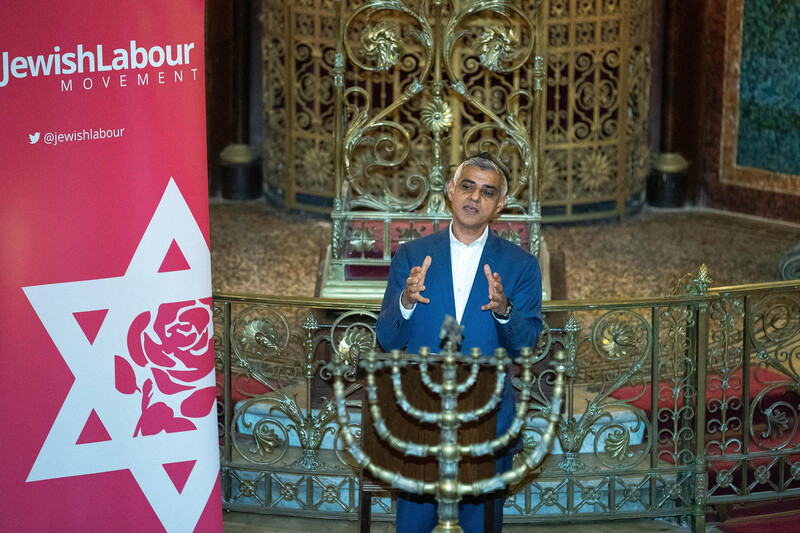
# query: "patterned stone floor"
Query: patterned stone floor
{"points": [[256, 248]]}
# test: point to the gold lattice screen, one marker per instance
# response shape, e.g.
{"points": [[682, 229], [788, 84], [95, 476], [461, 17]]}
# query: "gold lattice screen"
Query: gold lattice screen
{"points": [[597, 73]]}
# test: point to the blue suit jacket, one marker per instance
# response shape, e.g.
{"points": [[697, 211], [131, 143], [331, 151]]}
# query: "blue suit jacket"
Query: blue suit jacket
{"points": [[522, 284]]}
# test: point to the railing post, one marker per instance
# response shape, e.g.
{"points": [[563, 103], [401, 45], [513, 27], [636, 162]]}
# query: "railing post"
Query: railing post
{"points": [[746, 419], [339, 122], [654, 385], [227, 454], [698, 523]]}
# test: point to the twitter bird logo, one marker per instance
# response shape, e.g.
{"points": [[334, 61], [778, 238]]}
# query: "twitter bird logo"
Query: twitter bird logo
{"points": [[34, 137]]}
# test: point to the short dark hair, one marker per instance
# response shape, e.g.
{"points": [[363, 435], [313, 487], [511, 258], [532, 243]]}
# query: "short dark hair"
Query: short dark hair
{"points": [[486, 161]]}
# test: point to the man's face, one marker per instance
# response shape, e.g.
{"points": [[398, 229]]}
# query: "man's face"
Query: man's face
{"points": [[476, 198]]}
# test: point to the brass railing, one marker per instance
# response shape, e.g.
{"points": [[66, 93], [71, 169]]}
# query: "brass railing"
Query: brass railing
{"points": [[673, 404]]}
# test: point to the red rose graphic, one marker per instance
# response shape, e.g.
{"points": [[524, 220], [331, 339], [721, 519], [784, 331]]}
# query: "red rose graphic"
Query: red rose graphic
{"points": [[175, 351]]}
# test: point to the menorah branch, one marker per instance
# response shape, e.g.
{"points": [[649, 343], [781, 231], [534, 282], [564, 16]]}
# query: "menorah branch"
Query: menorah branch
{"points": [[396, 480], [378, 422], [499, 481], [425, 417], [448, 490], [494, 400]]}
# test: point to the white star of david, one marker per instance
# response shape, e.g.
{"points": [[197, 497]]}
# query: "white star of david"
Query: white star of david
{"points": [[92, 364]]}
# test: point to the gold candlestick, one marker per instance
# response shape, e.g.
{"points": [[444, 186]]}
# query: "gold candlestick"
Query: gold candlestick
{"points": [[448, 491]]}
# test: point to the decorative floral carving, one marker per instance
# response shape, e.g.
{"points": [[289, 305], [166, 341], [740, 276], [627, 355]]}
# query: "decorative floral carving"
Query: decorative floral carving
{"points": [[551, 177], [288, 492], [365, 170], [585, 8], [437, 116], [330, 494], [315, 167], [638, 164], [248, 488], [558, 35], [572, 329], [610, 31], [584, 33], [363, 239], [672, 490], [355, 341], [549, 496], [571, 434], [618, 445], [408, 234], [497, 46], [775, 320], [310, 323], [594, 170], [725, 478], [529, 445], [703, 280], [632, 494], [591, 495], [700, 490], [572, 325], [777, 423], [761, 475], [274, 160], [263, 332], [310, 429], [559, 8], [610, 6], [265, 439], [399, 36], [794, 470], [512, 236], [380, 44], [620, 336], [693, 284]]}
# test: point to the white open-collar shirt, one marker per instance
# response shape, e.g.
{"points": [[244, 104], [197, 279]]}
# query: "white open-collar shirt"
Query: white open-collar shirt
{"points": [[464, 261]]}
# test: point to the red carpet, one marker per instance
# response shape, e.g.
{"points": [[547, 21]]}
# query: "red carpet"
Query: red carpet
{"points": [[764, 517]]}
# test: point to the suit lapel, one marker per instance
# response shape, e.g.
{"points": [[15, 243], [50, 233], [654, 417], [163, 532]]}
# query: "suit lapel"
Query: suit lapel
{"points": [[479, 295], [443, 279]]}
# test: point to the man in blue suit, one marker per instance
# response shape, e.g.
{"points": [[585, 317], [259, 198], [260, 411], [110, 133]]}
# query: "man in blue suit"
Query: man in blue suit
{"points": [[490, 285]]}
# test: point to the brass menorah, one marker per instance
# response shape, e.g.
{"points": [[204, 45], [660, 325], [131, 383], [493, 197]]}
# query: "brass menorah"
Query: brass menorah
{"points": [[448, 491]]}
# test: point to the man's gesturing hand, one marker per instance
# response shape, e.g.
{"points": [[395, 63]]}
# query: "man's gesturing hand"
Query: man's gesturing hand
{"points": [[415, 284], [497, 298]]}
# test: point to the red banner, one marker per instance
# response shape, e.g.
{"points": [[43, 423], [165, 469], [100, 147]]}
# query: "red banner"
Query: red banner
{"points": [[108, 393]]}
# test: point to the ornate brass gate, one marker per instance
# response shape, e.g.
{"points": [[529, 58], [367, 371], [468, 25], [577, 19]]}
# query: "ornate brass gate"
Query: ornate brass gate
{"points": [[594, 63]]}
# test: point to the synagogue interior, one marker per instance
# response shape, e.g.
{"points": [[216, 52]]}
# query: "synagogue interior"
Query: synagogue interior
{"points": [[652, 149]]}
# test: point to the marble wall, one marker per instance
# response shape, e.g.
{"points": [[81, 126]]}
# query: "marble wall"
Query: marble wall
{"points": [[769, 107], [703, 107]]}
